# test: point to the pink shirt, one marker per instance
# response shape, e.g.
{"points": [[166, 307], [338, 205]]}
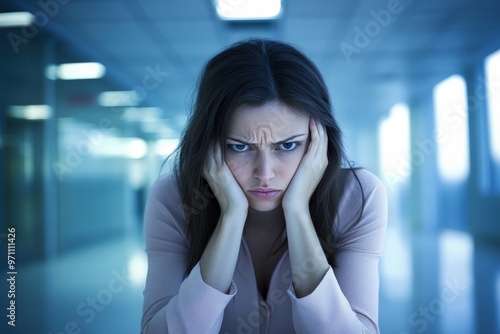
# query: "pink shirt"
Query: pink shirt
{"points": [[345, 301]]}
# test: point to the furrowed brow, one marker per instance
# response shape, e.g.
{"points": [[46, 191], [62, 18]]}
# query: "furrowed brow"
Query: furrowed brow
{"points": [[289, 139], [277, 143]]}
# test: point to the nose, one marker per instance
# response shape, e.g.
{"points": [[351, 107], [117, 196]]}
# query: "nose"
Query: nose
{"points": [[264, 167]]}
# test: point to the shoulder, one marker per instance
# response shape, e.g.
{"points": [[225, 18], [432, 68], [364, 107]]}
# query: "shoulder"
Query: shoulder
{"points": [[164, 205], [356, 177], [361, 186], [363, 206], [164, 194], [166, 184]]}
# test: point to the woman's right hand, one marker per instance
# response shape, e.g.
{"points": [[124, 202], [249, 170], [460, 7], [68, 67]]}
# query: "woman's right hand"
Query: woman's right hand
{"points": [[226, 189], [221, 253]]}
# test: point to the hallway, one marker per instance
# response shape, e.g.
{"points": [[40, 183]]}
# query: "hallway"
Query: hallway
{"points": [[439, 284], [95, 95]]}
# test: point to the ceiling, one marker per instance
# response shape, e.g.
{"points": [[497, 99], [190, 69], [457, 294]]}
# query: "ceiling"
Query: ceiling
{"points": [[401, 57]]}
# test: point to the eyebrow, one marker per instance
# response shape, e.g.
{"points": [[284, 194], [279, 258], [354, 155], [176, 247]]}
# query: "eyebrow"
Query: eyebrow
{"points": [[278, 143]]}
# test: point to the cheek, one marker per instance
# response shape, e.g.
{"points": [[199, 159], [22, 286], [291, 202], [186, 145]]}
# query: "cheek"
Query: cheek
{"points": [[237, 167], [290, 164], [291, 167]]}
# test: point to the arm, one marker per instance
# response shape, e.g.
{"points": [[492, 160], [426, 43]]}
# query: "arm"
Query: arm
{"points": [[346, 300], [324, 300], [172, 303], [219, 258], [307, 260], [303, 243]]}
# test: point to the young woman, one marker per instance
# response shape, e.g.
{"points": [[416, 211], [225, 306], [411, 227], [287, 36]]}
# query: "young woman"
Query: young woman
{"points": [[261, 228]]}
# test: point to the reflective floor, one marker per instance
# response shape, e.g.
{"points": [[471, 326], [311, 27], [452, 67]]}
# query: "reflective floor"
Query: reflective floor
{"points": [[442, 283], [445, 283]]}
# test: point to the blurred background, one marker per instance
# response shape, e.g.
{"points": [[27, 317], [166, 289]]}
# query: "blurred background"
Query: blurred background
{"points": [[94, 95]]}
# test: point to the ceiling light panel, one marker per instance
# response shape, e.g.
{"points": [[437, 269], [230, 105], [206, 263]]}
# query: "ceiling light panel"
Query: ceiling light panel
{"points": [[248, 10], [17, 19]]}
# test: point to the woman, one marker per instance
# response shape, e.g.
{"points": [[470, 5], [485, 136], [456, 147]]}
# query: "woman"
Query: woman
{"points": [[260, 229]]}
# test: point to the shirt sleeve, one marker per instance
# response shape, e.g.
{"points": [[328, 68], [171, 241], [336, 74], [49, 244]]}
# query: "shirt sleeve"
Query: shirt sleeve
{"points": [[346, 300], [174, 303]]}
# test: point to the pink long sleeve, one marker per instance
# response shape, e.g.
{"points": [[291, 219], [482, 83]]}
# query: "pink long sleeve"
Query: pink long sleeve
{"points": [[346, 300], [172, 303]]}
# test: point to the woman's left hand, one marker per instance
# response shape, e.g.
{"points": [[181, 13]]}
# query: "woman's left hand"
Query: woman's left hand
{"points": [[310, 170]]}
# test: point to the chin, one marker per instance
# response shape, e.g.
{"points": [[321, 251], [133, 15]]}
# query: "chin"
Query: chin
{"points": [[264, 207]]}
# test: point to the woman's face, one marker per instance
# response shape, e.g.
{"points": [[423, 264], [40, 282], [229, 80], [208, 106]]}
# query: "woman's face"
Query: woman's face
{"points": [[264, 147]]}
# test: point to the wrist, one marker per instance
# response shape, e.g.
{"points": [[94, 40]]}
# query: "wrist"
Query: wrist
{"points": [[296, 209], [234, 214], [297, 217]]}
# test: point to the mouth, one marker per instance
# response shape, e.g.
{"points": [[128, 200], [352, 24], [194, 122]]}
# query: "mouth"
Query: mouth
{"points": [[265, 193]]}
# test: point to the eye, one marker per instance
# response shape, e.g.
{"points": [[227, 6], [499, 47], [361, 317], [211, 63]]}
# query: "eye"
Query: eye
{"points": [[288, 146], [239, 148]]}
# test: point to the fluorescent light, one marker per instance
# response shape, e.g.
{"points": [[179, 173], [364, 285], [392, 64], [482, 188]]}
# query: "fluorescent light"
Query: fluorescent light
{"points": [[146, 114], [118, 99], [164, 147], [130, 148], [137, 148], [246, 10], [81, 71], [18, 19], [158, 127], [30, 112], [75, 71]]}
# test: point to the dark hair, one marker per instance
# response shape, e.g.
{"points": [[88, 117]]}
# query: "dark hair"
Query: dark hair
{"points": [[254, 72]]}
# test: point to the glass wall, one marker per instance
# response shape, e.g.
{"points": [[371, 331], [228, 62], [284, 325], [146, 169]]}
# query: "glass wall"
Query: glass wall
{"points": [[450, 113]]}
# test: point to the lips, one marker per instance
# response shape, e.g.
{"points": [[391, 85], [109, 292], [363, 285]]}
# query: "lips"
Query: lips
{"points": [[265, 193]]}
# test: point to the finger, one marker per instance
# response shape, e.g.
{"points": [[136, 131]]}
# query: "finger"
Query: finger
{"points": [[319, 141], [323, 137], [210, 165], [315, 137], [310, 147], [324, 145], [218, 155]]}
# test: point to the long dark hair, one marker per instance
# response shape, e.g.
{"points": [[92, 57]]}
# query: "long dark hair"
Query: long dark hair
{"points": [[254, 72]]}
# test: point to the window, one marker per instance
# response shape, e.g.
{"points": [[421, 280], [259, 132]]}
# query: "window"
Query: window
{"points": [[394, 141], [492, 69], [450, 111]]}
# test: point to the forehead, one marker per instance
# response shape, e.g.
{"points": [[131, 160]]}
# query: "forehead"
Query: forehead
{"points": [[271, 117]]}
